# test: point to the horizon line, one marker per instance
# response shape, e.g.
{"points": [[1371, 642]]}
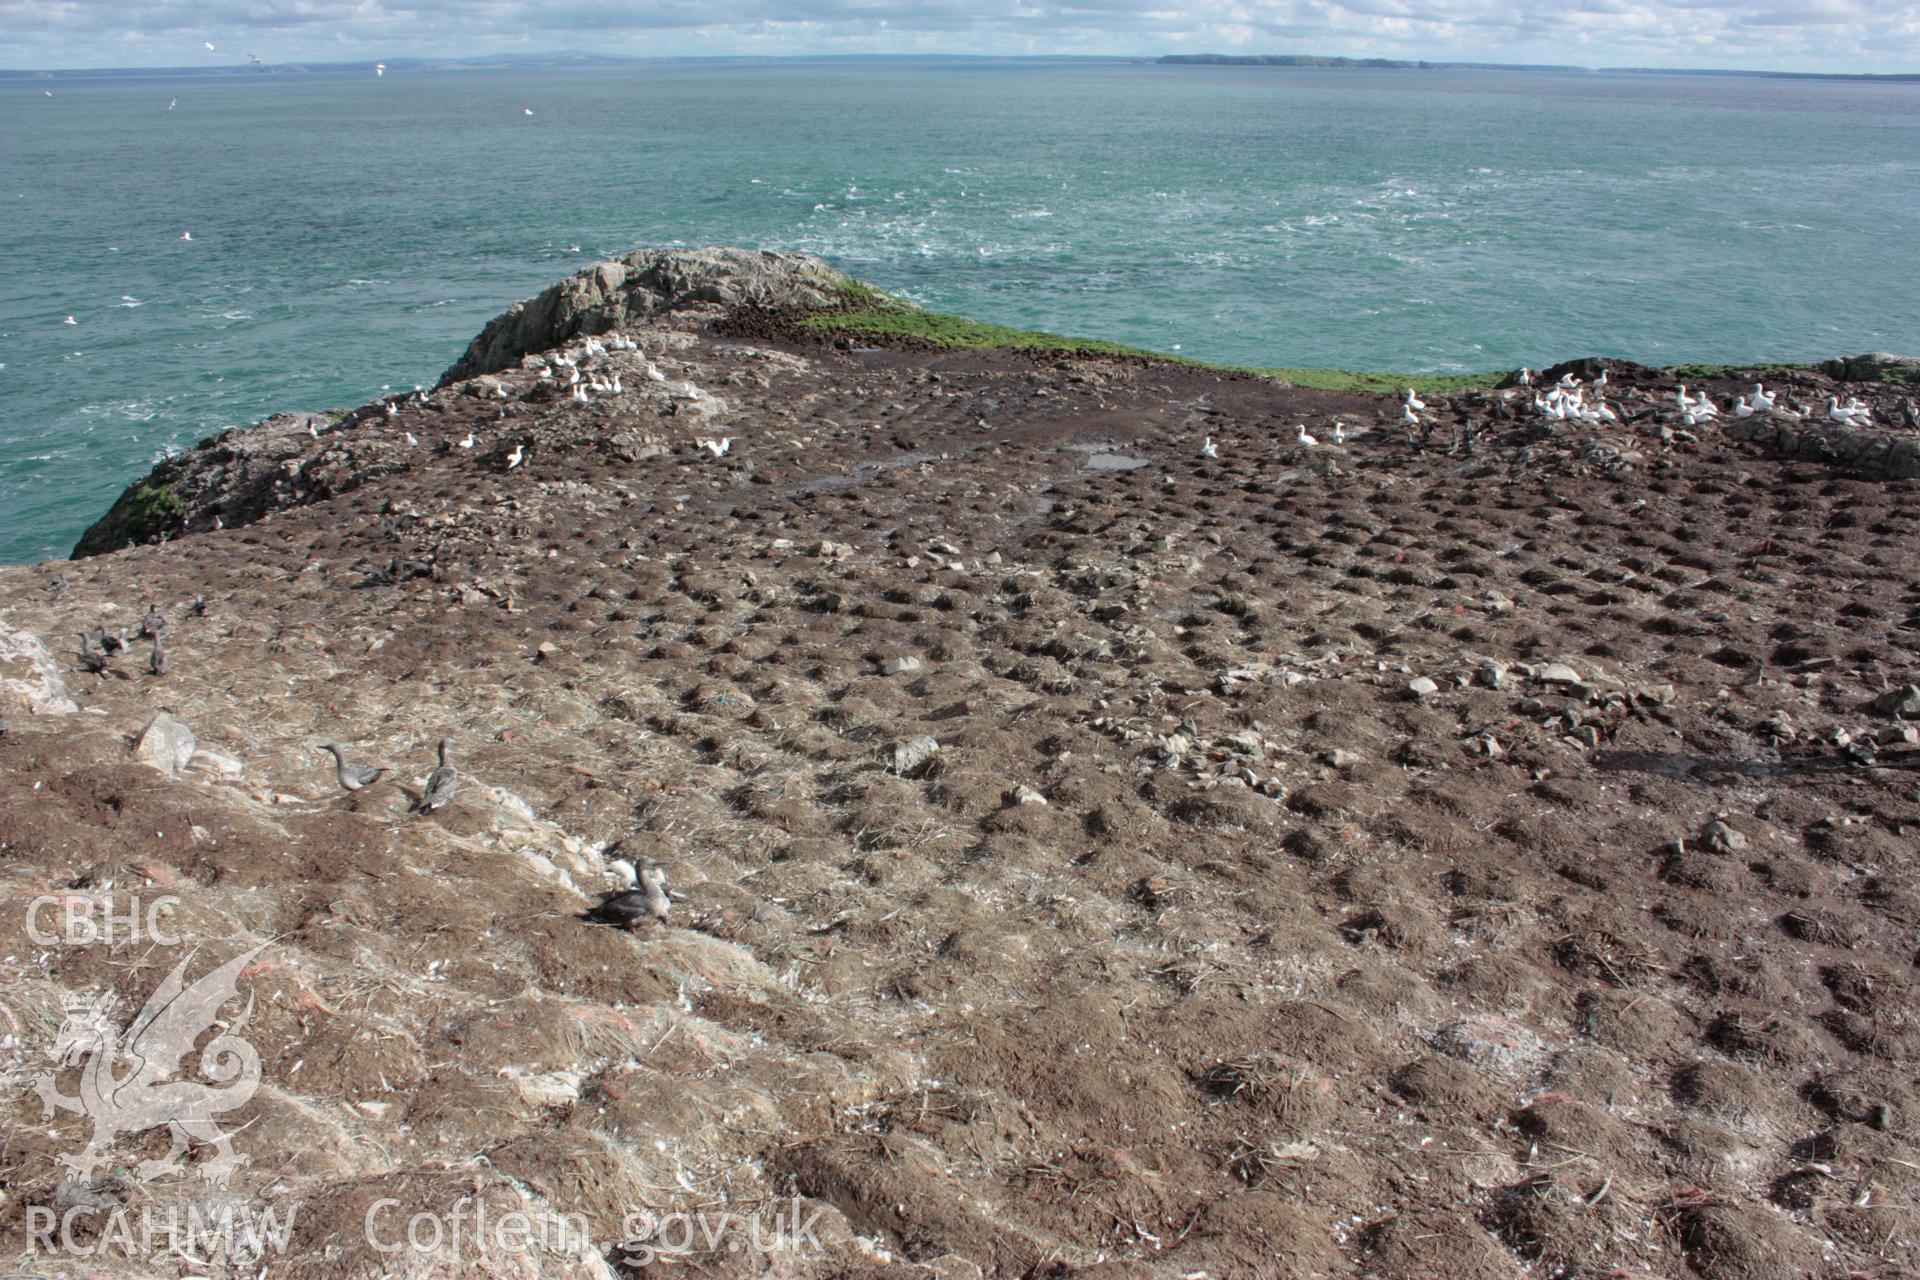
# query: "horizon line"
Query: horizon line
{"points": [[490, 61]]}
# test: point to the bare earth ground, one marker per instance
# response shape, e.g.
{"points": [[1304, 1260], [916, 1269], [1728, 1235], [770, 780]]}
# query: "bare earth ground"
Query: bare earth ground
{"points": [[1203, 945]]}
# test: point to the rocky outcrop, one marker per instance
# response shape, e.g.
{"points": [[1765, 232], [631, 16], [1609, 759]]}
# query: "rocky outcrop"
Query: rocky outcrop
{"points": [[1873, 366], [609, 295], [1890, 456], [238, 476]]}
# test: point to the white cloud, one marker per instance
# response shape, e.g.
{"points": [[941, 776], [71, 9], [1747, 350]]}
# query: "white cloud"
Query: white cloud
{"points": [[1827, 35]]}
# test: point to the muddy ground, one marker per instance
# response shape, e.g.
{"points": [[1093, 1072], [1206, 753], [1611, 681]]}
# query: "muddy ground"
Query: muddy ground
{"points": [[1480, 857]]}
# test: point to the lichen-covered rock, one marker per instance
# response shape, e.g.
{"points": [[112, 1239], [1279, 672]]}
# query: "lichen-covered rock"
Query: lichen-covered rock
{"points": [[166, 744], [611, 294], [1873, 366]]}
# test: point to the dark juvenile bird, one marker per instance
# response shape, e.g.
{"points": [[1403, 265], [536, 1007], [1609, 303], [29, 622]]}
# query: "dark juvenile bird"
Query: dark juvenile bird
{"points": [[111, 642], [352, 777], [89, 660], [441, 783], [199, 609], [631, 908], [157, 660], [153, 624]]}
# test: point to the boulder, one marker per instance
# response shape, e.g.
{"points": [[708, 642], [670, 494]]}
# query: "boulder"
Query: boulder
{"points": [[609, 295], [1873, 366], [166, 744]]}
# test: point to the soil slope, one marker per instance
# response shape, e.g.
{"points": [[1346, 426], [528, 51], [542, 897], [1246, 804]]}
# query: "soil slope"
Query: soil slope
{"points": [[1482, 850]]}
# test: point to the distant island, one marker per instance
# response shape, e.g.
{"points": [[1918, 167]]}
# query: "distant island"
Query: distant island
{"points": [[1398, 64]]}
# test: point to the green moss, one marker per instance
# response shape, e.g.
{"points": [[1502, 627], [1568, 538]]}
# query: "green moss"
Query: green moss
{"points": [[149, 507], [866, 312]]}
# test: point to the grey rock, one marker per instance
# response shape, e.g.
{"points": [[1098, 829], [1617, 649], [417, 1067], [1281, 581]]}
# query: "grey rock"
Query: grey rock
{"points": [[1873, 366], [165, 743], [1902, 703], [1420, 688], [910, 755], [1556, 673], [609, 295]]}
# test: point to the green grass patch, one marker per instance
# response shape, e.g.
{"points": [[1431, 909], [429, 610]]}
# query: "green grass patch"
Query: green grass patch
{"points": [[148, 507], [866, 312]]}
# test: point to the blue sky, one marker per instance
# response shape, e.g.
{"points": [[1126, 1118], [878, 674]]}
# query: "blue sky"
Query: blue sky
{"points": [[1807, 35]]}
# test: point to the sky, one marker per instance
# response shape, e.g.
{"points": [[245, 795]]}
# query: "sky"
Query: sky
{"points": [[1789, 35]]}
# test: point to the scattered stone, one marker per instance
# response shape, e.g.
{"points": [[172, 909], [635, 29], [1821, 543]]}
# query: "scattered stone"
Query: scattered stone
{"points": [[1556, 673], [902, 664], [1420, 688], [1491, 674], [910, 755], [165, 743], [1722, 838], [1901, 704]]}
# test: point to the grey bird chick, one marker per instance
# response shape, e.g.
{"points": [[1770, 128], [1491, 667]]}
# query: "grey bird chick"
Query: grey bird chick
{"points": [[89, 660], [631, 908], [441, 783], [352, 777], [154, 623], [157, 661]]}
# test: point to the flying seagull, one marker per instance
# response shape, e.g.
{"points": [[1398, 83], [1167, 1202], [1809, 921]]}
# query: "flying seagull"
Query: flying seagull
{"points": [[379, 69], [255, 59]]}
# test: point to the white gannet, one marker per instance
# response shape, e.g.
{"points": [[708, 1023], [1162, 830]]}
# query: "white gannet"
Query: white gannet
{"points": [[1301, 438], [172, 103], [1408, 416], [411, 442], [313, 429], [718, 448], [513, 459], [654, 375], [379, 69], [70, 320], [186, 235], [1763, 398], [528, 110], [254, 58], [1339, 434], [579, 395], [1207, 449], [209, 45], [1413, 401], [1846, 414], [1741, 409], [468, 442], [1526, 376], [616, 384], [1601, 381]]}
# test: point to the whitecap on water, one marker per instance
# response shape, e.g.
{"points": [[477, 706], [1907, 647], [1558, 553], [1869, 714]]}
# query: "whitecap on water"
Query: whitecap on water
{"points": [[128, 300]]}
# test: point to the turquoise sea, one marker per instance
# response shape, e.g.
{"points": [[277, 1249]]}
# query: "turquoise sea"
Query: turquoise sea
{"points": [[351, 233]]}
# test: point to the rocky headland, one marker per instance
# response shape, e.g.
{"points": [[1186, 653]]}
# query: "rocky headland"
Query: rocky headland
{"points": [[1122, 818]]}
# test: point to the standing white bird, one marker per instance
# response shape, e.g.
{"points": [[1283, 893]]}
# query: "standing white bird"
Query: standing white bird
{"points": [[718, 448], [1207, 449], [1408, 416], [1339, 434], [468, 442], [1301, 438], [654, 375], [1413, 401], [513, 459], [1526, 376]]}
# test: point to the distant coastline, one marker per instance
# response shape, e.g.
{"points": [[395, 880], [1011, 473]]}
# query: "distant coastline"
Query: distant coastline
{"points": [[1396, 64], [571, 59]]}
